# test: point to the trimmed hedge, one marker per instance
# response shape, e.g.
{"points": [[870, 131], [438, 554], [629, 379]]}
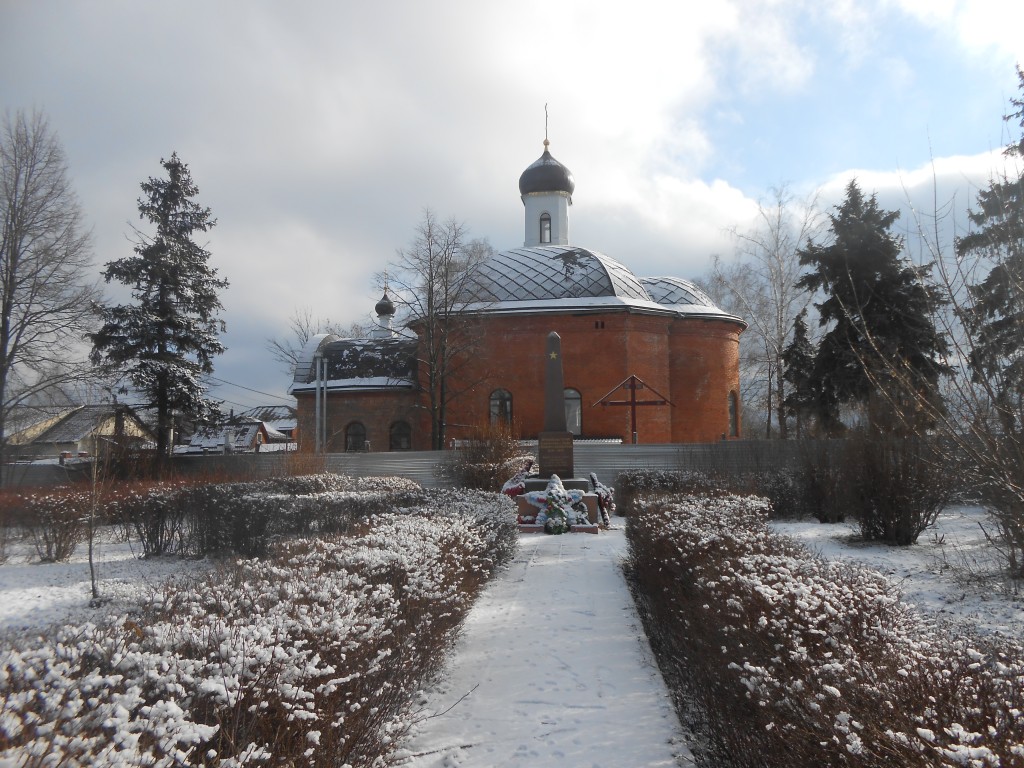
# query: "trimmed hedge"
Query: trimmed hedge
{"points": [[309, 656], [793, 661]]}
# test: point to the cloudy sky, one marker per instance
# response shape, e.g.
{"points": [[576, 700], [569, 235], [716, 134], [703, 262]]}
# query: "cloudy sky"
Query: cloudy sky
{"points": [[319, 131]]}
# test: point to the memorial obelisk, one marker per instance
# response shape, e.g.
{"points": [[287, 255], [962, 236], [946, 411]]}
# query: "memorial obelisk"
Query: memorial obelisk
{"points": [[554, 444]]}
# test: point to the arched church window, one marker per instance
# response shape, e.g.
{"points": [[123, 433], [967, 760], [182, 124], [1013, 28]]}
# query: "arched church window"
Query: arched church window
{"points": [[574, 411], [501, 406], [734, 416], [355, 436], [545, 228], [400, 436]]}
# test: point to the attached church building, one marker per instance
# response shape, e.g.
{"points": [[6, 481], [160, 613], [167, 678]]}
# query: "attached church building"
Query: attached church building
{"points": [[645, 359]]}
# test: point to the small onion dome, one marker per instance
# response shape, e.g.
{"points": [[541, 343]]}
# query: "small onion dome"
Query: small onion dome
{"points": [[385, 307], [546, 175]]}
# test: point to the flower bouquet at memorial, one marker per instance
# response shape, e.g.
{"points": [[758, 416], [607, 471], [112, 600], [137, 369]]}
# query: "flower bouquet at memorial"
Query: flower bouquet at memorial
{"points": [[559, 508]]}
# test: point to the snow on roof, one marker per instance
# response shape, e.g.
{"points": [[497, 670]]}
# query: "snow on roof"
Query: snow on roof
{"points": [[275, 417], [358, 383], [540, 279], [241, 438], [74, 425], [362, 364], [602, 304]]}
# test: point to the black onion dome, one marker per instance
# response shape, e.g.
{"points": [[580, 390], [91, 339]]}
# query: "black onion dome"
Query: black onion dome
{"points": [[546, 175], [385, 307]]}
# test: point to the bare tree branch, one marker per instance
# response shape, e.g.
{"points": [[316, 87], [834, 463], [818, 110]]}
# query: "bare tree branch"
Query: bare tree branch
{"points": [[46, 297], [759, 285], [304, 326], [433, 283]]}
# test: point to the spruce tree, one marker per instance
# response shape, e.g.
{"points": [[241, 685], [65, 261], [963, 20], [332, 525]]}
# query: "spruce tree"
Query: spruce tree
{"points": [[165, 340], [995, 318], [798, 371], [882, 349]]}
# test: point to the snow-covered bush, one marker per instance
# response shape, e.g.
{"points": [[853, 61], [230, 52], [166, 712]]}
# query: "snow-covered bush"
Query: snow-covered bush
{"points": [[307, 485], [246, 518], [56, 520], [309, 656], [634, 485], [783, 488], [492, 516], [152, 514], [798, 661]]}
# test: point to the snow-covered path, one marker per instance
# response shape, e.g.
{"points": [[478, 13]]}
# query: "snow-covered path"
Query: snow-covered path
{"points": [[554, 669]]}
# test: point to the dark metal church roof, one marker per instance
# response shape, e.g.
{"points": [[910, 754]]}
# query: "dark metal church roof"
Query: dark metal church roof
{"points": [[546, 175]]}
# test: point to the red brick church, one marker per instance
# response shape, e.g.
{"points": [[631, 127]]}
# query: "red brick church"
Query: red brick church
{"points": [[645, 359]]}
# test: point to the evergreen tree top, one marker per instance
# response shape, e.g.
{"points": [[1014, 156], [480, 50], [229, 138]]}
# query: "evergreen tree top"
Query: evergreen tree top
{"points": [[168, 203]]}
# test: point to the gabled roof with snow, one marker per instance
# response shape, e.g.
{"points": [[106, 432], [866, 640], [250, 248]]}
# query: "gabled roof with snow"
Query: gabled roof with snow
{"points": [[78, 423], [241, 438], [274, 417], [270, 413]]}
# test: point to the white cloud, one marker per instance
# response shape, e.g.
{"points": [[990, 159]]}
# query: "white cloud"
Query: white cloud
{"points": [[978, 25], [317, 132]]}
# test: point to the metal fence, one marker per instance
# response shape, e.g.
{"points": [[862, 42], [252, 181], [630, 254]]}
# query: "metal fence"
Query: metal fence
{"points": [[607, 460]]}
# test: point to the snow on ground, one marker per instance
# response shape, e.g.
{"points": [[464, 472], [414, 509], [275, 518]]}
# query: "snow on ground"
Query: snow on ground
{"points": [[34, 595], [951, 572], [552, 669]]}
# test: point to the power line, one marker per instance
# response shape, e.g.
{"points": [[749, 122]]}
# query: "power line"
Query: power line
{"points": [[244, 406], [249, 389]]}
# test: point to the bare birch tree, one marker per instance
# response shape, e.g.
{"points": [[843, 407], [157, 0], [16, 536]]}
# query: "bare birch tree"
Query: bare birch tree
{"points": [[759, 285], [432, 283], [47, 294]]}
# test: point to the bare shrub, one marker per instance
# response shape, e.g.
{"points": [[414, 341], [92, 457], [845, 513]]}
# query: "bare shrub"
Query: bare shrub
{"points": [[780, 487], [305, 484], [1003, 498], [226, 518], [897, 487], [487, 459], [299, 463], [822, 481], [199, 518]]}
